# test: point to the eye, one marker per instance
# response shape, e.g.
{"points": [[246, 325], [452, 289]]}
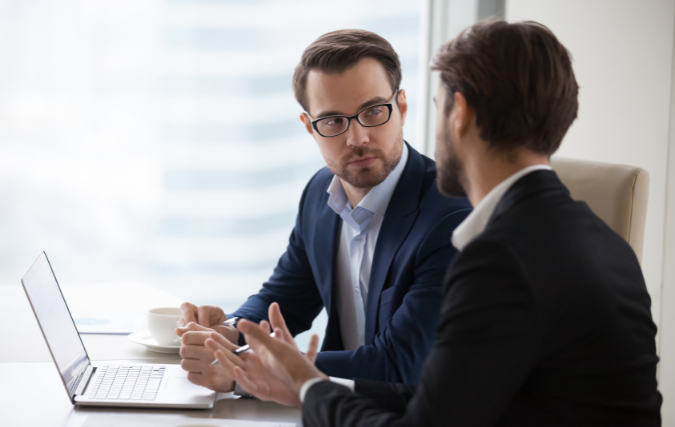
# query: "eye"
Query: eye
{"points": [[374, 111], [335, 121]]}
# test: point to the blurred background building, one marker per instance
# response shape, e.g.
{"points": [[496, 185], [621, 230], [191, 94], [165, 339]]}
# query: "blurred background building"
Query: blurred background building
{"points": [[158, 141]]}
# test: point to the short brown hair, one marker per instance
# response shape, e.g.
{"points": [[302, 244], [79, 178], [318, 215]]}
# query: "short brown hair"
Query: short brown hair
{"points": [[519, 80], [337, 51]]}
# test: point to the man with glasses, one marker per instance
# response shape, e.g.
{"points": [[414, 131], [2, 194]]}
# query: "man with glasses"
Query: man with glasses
{"points": [[372, 238]]}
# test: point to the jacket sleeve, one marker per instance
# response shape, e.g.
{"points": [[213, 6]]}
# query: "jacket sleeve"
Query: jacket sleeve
{"points": [[399, 349], [485, 347], [291, 285]]}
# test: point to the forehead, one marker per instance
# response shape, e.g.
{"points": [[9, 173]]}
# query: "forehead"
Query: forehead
{"points": [[343, 93]]}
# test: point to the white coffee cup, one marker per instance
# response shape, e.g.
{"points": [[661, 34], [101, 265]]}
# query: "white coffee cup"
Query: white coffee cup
{"points": [[162, 323]]}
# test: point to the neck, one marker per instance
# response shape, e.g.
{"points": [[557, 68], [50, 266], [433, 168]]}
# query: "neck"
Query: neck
{"points": [[354, 194], [485, 172]]}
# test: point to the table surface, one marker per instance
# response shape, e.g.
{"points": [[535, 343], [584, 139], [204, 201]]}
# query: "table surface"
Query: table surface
{"points": [[32, 394]]}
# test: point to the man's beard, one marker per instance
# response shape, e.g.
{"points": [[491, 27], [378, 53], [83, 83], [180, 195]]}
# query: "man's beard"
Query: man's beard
{"points": [[450, 171], [367, 177]]}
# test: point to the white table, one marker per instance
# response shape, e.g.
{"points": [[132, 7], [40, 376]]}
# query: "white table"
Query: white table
{"points": [[31, 392]]}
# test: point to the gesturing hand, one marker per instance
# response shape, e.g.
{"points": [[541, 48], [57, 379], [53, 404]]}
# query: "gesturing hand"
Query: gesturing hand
{"points": [[249, 370], [278, 355]]}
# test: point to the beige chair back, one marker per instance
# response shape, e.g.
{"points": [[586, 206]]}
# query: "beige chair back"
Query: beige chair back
{"points": [[616, 193]]}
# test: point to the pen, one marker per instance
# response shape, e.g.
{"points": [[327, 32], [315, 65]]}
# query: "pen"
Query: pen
{"points": [[237, 351], [231, 321]]}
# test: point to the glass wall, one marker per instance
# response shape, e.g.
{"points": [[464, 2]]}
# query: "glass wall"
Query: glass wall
{"points": [[158, 141]]}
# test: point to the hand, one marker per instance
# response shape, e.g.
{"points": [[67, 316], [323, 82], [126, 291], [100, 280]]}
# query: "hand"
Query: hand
{"points": [[278, 355], [248, 369], [208, 316], [197, 358]]}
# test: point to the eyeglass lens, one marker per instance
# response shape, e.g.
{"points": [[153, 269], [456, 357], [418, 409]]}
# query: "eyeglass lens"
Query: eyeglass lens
{"points": [[373, 116]]}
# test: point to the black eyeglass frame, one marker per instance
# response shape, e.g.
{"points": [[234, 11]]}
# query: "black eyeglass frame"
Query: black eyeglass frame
{"points": [[389, 106]]}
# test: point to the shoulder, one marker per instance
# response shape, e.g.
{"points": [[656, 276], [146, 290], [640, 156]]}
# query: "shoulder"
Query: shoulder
{"points": [[316, 189], [320, 181]]}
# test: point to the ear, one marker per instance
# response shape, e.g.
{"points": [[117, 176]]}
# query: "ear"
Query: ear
{"points": [[461, 115], [304, 118], [402, 105]]}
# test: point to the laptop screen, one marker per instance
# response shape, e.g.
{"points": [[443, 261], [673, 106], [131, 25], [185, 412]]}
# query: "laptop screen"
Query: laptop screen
{"points": [[55, 321]]}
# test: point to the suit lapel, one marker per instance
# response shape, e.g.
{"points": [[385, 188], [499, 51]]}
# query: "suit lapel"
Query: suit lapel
{"points": [[325, 249], [398, 220]]}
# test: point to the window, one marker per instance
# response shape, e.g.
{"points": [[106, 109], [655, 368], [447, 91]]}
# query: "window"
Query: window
{"points": [[132, 143]]}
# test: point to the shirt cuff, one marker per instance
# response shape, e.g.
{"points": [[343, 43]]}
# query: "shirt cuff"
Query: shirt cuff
{"points": [[310, 382], [342, 381]]}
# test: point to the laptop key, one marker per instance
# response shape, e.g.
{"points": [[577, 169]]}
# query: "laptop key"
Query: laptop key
{"points": [[127, 383]]}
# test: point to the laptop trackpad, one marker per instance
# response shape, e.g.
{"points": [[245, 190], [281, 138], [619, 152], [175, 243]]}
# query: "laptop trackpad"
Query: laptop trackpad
{"points": [[182, 384]]}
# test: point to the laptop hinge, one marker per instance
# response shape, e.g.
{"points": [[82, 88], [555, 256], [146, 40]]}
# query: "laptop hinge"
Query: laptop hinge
{"points": [[84, 381]]}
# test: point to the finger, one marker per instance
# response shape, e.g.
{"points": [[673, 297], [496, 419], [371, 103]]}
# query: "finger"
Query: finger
{"points": [[224, 342], [194, 366], [214, 347], [265, 325], [195, 337], [258, 337], [198, 352], [284, 336], [277, 319], [313, 348], [192, 326], [218, 316], [243, 380], [203, 316], [229, 360], [188, 312]]}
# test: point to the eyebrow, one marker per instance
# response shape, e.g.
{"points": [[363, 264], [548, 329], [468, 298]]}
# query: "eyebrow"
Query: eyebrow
{"points": [[373, 101]]}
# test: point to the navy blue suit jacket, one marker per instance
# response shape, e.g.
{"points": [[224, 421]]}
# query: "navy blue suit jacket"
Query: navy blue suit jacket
{"points": [[404, 294]]}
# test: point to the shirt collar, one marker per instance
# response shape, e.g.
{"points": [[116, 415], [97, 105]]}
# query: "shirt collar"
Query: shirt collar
{"points": [[377, 199], [475, 223]]}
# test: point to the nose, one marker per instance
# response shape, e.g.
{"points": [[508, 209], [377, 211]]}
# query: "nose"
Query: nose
{"points": [[357, 135]]}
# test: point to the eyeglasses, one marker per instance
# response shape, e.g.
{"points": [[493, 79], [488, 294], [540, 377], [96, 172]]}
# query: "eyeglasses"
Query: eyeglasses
{"points": [[369, 117]]}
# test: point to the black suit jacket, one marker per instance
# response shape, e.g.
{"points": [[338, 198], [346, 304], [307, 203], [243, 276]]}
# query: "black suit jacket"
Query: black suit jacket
{"points": [[545, 322]]}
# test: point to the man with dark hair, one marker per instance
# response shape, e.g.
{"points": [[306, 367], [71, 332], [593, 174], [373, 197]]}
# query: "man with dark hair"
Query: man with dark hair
{"points": [[372, 237], [546, 317]]}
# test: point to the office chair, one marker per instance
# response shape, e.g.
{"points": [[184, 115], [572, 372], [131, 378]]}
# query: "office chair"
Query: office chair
{"points": [[618, 194]]}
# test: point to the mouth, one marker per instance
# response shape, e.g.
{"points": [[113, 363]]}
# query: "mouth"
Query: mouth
{"points": [[362, 163]]}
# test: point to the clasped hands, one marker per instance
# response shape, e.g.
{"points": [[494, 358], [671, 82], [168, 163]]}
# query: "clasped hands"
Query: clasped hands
{"points": [[274, 370]]}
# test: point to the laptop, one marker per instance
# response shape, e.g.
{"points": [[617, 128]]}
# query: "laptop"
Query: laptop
{"points": [[114, 383]]}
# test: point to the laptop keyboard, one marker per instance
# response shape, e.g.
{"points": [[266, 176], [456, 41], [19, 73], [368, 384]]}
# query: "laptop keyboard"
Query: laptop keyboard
{"points": [[126, 382]]}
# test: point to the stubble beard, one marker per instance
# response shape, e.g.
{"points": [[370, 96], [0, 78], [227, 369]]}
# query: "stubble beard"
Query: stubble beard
{"points": [[370, 176], [450, 171]]}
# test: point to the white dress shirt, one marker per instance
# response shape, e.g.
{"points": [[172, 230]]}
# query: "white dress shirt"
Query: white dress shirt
{"points": [[472, 226], [475, 223], [358, 237]]}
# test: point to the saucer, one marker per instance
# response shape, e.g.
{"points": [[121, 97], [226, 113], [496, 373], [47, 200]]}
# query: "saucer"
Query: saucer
{"points": [[144, 338]]}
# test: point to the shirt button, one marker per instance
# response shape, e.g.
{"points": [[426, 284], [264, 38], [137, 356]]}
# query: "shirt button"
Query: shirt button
{"points": [[358, 240], [357, 290]]}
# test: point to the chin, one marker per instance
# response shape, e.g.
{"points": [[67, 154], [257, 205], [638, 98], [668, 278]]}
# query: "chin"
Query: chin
{"points": [[365, 178]]}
